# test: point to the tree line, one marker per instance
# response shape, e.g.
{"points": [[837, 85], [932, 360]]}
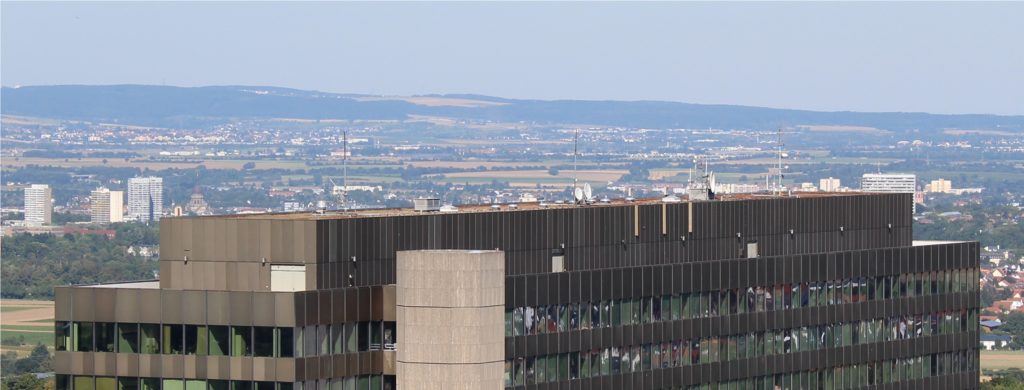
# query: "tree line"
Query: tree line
{"points": [[34, 264]]}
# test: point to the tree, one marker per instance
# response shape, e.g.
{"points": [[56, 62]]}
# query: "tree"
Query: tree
{"points": [[553, 171], [249, 166], [24, 382]]}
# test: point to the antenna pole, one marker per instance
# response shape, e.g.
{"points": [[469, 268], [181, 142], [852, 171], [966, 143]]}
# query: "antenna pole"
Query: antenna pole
{"points": [[575, 149], [344, 170], [779, 179]]}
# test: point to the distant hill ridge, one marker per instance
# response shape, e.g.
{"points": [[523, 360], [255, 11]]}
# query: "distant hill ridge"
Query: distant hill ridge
{"points": [[195, 106]]}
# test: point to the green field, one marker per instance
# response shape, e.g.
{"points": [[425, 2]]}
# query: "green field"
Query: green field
{"points": [[8, 309], [29, 328], [30, 338]]}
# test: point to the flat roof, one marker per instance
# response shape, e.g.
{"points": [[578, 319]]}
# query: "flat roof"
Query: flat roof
{"points": [[511, 207], [933, 242], [145, 284]]}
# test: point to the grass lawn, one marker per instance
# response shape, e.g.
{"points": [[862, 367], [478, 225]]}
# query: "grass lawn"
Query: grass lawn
{"points": [[8, 309]]}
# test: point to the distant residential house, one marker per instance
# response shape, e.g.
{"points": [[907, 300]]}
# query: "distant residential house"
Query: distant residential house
{"points": [[144, 250], [1006, 305], [991, 324], [993, 341]]}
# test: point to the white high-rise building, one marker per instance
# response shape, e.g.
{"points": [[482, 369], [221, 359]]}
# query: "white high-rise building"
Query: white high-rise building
{"points": [[889, 182], [107, 206], [830, 184], [145, 198], [904, 183], [38, 205]]}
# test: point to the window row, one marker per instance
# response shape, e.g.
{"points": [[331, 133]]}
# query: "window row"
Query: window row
{"points": [[217, 340], [855, 376], [545, 370], [336, 339], [78, 382], [616, 360], [364, 382], [542, 319]]}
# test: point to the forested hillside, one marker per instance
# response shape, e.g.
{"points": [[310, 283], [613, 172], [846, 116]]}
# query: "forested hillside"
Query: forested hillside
{"points": [[34, 264]]}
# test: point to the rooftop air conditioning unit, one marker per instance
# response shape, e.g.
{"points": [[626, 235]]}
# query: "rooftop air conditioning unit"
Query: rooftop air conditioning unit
{"points": [[426, 204]]}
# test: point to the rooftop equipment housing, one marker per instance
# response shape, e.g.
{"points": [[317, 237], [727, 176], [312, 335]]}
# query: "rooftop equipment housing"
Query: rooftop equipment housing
{"points": [[426, 204]]}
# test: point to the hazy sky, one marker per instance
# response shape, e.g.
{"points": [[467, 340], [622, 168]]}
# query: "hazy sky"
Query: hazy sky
{"points": [[935, 57]]}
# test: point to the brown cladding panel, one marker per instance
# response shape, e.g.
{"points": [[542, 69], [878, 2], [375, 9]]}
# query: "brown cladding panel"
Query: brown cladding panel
{"points": [[84, 308], [284, 309], [241, 307], [193, 307], [64, 301], [201, 236], [127, 365], [171, 306], [150, 306], [230, 243], [127, 305], [263, 309]]}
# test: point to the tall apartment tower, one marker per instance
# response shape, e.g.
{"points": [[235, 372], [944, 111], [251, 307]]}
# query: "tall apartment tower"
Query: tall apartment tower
{"points": [[106, 206], [898, 183], [829, 184], [904, 183], [145, 198], [941, 186], [38, 205], [810, 291]]}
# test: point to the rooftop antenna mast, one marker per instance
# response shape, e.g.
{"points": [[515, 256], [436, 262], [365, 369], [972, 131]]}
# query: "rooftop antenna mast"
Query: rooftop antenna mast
{"points": [[575, 152], [778, 184], [344, 170]]}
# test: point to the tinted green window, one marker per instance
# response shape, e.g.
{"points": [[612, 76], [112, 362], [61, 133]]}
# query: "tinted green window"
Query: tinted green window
{"points": [[82, 334], [63, 382], [263, 341], [241, 341], [219, 340], [150, 340], [213, 384], [83, 383], [196, 340], [284, 345], [173, 384], [173, 340], [150, 383], [128, 338], [62, 332], [106, 336], [106, 383], [127, 383]]}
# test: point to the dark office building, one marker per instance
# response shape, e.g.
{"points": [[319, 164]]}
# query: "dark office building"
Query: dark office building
{"points": [[809, 291]]}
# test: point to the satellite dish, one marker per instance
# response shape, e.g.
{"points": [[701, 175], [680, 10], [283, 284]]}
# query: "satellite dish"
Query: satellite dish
{"points": [[577, 193], [588, 193]]}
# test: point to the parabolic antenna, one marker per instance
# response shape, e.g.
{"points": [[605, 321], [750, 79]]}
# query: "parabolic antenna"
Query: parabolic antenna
{"points": [[588, 193], [577, 193]]}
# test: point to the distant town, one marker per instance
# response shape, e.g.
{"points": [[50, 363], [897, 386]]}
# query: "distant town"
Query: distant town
{"points": [[93, 192]]}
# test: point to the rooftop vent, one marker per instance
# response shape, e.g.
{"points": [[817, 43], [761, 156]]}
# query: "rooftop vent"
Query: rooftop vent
{"points": [[449, 209], [426, 204]]}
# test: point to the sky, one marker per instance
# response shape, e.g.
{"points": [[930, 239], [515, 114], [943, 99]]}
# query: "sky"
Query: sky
{"points": [[928, 57]]}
